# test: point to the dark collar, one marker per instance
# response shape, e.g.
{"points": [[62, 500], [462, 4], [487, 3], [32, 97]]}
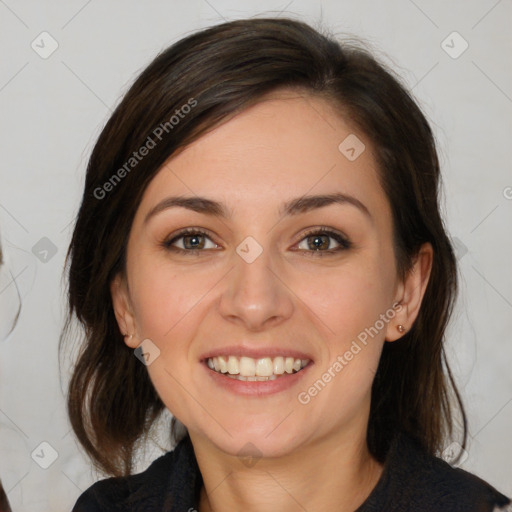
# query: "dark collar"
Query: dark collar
{"points": [[411, 479], [414, 480]]}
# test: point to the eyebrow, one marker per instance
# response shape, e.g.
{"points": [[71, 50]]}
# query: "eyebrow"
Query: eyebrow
{"points": [[293, 207]]}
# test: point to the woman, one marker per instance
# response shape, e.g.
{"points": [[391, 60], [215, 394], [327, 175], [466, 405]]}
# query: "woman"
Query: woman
{"points": [[260, 228]]}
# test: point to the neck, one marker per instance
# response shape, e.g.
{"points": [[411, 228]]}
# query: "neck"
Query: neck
{"points": [[333, 473]]}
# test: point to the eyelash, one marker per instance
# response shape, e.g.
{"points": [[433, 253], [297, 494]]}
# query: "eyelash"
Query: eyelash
{"points": [[342, 240]]}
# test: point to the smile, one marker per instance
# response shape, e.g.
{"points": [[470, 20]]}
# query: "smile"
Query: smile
{"points": [[261, 369]]}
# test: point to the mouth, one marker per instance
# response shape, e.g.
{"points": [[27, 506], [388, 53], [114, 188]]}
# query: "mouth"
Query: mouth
{"points": [[256, 370]]}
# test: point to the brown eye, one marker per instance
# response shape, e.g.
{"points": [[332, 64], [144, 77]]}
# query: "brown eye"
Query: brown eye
{"points": [[191, 240], [318, 242]]}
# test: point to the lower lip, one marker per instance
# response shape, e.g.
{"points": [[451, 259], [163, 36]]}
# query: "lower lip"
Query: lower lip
{"points": [[257, 388]]}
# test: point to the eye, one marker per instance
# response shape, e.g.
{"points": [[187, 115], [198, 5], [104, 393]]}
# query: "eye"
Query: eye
{"points": [[191, 239], [318, 240], [194, 240]]}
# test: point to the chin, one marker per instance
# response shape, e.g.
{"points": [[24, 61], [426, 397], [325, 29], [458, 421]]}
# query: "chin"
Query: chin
{"points": [[257, 440]]}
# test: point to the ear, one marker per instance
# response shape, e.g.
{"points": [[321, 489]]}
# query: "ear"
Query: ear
{"points": [[123, 310], [410, 293]]}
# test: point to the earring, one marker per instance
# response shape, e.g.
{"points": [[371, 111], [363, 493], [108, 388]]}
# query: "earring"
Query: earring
{"points": [[401, 328], [130, 336]]}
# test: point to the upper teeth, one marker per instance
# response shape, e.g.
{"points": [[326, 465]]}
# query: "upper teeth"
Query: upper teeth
{"points": [[249, 367]]}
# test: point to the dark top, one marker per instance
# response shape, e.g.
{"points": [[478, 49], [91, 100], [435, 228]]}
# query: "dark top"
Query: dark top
{"points": [[412, 480]]}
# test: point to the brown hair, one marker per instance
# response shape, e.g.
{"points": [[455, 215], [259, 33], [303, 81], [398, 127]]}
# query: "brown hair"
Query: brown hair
{"points": [[224, 69]]}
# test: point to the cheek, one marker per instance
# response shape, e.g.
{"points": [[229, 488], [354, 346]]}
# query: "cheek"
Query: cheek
{"points": [[164, 296], [349, 305], [351, 298], [168, 311], [353, 303]]}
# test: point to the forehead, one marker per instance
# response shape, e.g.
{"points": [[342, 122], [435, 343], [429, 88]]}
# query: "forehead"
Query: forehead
{"points": [[289, 144]]}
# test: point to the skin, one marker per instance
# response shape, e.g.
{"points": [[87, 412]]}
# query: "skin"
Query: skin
{"points": [[290, 297]]}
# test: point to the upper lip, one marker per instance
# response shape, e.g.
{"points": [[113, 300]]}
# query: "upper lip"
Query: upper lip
{"points": [[255, 353]]}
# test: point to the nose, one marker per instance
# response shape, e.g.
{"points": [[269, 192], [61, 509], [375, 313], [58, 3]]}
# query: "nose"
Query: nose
{"points": [[256, 296]]}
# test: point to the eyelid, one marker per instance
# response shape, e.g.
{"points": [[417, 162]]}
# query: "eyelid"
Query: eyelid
{"points": [[343, 241], [322, 230], [168, 241]]}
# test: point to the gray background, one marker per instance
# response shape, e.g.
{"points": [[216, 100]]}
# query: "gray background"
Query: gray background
{"points": [[53, 109]]}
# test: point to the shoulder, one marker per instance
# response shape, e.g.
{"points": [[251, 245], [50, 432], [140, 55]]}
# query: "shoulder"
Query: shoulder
{"points": [[126, 493], [429, 483]]}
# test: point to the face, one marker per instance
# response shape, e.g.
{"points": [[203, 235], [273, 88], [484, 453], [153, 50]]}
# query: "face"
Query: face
{"points": [[277, 276]]}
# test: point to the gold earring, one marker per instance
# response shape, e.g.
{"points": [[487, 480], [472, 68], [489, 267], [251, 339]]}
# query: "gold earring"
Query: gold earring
{"points": [[401, 328]]}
